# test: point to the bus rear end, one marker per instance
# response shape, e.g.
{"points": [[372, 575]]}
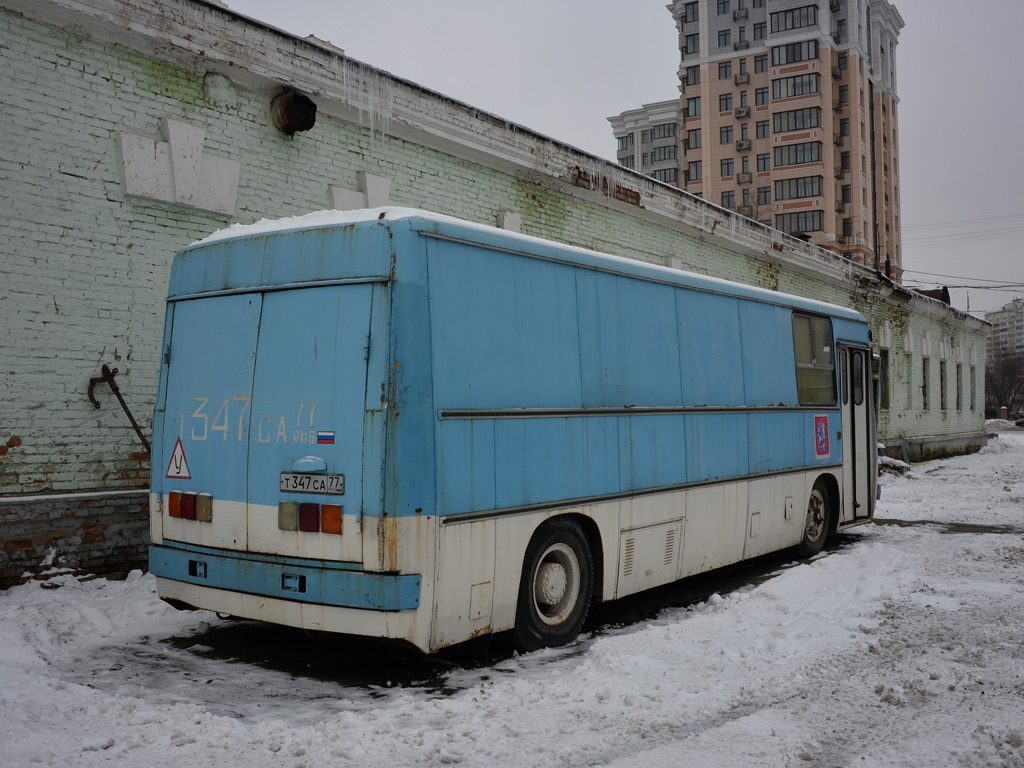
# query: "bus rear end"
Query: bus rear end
{"points": [[269, 433]]}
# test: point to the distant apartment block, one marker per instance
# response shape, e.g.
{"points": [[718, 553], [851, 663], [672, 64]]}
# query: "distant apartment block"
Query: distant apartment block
{"points": [[1007, 332], [648, 140], [788, 115]]}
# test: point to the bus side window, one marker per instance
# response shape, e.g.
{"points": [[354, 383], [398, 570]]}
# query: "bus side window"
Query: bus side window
{"points": [[858, 378], [844, 380], [815, 360]]}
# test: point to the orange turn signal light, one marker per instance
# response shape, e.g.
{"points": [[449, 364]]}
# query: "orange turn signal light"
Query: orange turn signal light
{"points": [[330, 518], [174, 504]]}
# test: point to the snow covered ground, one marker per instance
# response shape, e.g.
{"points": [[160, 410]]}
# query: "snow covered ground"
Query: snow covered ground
{"points": [[905, 647]]}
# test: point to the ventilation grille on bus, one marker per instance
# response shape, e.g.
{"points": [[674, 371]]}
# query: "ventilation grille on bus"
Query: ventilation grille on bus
{"points": [[627, 560], [628, 556]]}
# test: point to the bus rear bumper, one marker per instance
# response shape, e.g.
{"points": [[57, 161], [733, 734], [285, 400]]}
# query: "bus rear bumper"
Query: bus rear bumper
{"points": [[288, 579], [398, 626]]}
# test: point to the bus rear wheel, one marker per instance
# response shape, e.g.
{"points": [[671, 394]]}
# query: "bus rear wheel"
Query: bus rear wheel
{"points": [[817, 521], [555, 588]]}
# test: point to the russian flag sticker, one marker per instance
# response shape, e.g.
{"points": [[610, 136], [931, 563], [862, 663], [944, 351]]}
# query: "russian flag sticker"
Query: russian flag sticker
{"points": [[325, 438]]}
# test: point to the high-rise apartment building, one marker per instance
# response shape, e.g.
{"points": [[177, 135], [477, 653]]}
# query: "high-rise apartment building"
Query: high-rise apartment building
{"points": [[1007, 332], [788, 115]]}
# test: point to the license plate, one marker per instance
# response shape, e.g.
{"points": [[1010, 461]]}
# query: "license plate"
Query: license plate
{"points": [[298, 482]]}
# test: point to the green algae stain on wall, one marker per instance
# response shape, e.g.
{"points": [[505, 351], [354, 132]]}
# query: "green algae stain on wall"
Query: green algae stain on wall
{"points": [[166, 80], [544, 212]]}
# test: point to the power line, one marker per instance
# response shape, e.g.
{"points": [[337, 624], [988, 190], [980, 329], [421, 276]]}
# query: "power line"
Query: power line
{"points": [[1017, 288], [959, 222], [966, 238], [952, 277], [963, 237], [1012, 287]]}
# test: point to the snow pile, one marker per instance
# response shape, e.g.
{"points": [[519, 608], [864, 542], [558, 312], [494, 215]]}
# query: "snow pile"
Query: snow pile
{"points": [[1001, 425], [893, 466], [901, 648]]}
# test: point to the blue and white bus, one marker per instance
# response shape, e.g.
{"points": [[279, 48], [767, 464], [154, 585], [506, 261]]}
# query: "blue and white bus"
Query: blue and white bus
{"points": [[400, 425]]}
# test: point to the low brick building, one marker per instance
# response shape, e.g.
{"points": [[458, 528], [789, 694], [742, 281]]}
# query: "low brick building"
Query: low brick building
{"points": [[133, 127]]}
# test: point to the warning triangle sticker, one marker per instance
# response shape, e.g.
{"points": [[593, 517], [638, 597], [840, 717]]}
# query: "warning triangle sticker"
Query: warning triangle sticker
{"points": [[178, 468]]}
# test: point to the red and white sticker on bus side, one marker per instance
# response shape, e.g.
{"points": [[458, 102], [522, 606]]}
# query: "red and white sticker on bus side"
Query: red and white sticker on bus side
{"points": [[821, 446]]}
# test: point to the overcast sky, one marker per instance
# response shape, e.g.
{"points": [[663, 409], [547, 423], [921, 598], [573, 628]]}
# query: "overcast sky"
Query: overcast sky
{"points": [[562, 67]]}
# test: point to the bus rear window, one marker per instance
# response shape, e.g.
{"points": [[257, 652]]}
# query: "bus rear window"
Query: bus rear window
{"points": [[815, 360]]}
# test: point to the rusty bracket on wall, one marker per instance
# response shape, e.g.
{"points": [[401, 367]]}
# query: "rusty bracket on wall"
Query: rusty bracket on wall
{"points": [[108, 377]]}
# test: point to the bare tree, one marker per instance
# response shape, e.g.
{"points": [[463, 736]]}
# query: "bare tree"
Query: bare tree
{"points": [[764, 212], [1004, 381]]}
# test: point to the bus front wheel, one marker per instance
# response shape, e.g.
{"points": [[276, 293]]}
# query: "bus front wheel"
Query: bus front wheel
{"points": [[555, 588], [816, 522]]}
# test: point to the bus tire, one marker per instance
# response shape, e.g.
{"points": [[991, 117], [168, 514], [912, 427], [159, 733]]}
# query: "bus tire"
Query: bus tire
{"points": [[817, 521], [556, 586]]}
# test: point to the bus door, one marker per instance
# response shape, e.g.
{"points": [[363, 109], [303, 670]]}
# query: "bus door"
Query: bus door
{"points": [[305, 475], [203, 418], [858, 442]]}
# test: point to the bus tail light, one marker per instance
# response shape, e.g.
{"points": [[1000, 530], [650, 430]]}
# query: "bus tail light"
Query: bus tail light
{"points": [[188, 505], [288, 516], [204, 508], [330, 518], [309, 518]]}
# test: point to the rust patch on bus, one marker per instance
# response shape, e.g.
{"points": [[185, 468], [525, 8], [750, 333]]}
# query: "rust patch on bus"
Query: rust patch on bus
{"points": [[389, 543], [478, 633]]}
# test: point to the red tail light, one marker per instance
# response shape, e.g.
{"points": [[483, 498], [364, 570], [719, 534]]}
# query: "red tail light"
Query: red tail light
{"points": [[309, 517], [188, 505]]}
